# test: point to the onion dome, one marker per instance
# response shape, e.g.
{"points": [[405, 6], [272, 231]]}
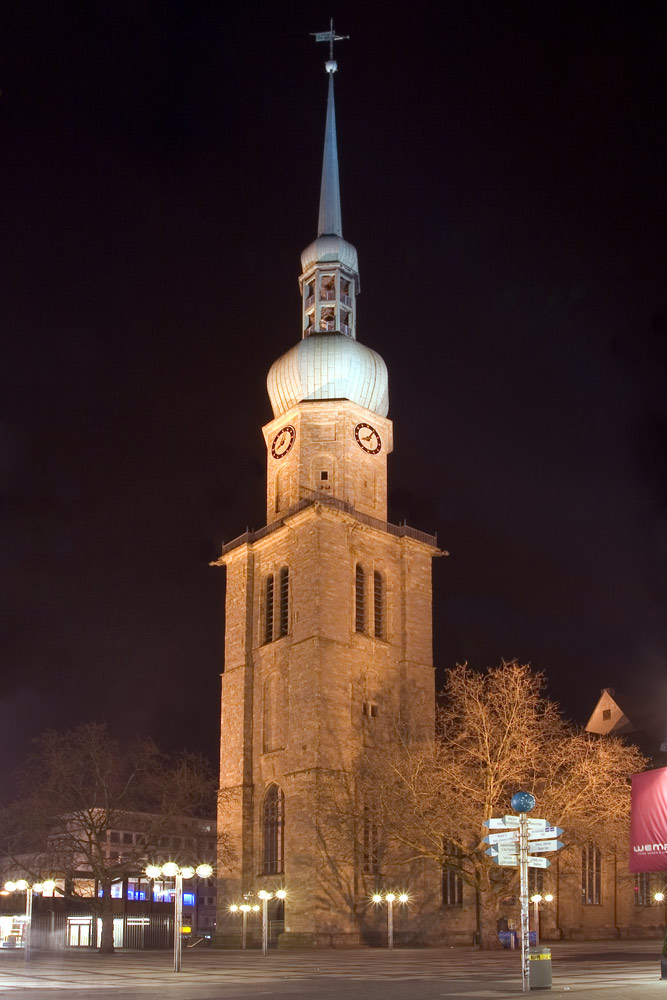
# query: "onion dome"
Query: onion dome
{"points": [[329, 366]]}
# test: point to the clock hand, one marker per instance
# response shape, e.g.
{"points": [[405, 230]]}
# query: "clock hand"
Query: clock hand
{"points": [[372, 433]]}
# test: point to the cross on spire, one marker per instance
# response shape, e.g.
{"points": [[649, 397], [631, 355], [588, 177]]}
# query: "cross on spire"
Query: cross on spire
{"points": [[329, 36]]}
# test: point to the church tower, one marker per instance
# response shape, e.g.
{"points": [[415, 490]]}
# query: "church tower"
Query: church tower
{"points": [[328, 615]]}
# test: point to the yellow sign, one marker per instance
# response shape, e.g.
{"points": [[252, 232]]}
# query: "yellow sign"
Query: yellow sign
{"points": [[186, 930]]}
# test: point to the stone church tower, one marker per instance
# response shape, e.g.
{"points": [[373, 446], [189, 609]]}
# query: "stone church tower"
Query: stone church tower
{"points": [[328, 616]]}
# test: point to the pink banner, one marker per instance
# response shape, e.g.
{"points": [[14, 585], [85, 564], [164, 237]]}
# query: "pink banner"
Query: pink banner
{"points": [[648, 823]]}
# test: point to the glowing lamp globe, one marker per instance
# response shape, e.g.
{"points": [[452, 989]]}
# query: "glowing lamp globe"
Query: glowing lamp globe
{"points": [[234, 908], [390, 897], [523, 802], [536, 898], [170, 869], [281, 894], [187, 872], [403, 898], [255, 908], [21, 884], [204, 871], [10, 886], [49, 885], [153, 871], [377, 898]]}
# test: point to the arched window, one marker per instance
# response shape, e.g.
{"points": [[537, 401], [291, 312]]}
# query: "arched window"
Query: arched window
{"points": [[268, 609], [273, 826], [359, 600], [379, 616], [284, 602]]}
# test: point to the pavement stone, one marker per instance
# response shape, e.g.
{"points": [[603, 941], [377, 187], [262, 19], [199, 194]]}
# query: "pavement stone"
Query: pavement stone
{"points": [[602, 970]]}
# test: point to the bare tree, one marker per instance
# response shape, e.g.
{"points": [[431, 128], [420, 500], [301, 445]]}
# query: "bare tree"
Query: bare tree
{"points": [[496, 733], [77, 787]]}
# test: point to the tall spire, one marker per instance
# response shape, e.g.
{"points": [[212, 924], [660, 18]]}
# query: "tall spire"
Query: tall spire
{"points": [[330, 221]]}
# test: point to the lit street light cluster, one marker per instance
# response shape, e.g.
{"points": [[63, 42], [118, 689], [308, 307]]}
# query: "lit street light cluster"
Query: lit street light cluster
{"points": [[536, 900], [22, 885], [178, 873], [390, 898]]}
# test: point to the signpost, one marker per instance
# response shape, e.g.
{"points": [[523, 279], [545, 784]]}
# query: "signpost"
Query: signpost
{"points": [[516, 844]]}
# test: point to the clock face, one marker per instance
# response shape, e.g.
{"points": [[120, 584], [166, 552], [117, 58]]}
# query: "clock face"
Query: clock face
{"points": [[367, 438], [283, 441]]}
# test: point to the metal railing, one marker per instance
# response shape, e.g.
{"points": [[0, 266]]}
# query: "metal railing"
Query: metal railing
{"points": [[398, 530]]}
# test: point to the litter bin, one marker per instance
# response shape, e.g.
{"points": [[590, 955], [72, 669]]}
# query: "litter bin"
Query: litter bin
{"points": [[540, 968]]}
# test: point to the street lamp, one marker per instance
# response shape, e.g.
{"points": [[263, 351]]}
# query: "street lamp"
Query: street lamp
{"points": [[244, 909], [172, 870], [22, 885], [536, 900], [390, 898], [265, 897]]}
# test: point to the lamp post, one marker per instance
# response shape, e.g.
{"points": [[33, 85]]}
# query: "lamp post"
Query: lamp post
{"points": [[21, 885], [536, 900], [178, 873], [245, 909], [265, 897], [390, 898]]}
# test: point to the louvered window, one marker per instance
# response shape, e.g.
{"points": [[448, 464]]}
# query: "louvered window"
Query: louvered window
{"points": [[378, 605], [284, 601], [360, 600], [268, 609]]}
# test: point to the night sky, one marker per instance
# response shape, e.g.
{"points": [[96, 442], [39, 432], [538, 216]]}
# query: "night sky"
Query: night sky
{"points": [[503, 175]]}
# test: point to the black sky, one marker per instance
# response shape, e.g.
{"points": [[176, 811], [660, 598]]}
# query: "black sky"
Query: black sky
{"points": [[503, 172]]}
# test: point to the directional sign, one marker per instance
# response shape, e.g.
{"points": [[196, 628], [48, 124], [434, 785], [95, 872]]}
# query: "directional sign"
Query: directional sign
{"points": [[537, 846], [533, 822], [501, 823], [535, 862], [546, 833], [502, 856], [497, 838], [509, 861]]}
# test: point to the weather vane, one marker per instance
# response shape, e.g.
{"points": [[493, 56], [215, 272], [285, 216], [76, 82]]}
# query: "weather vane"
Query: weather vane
{"points": [[329, 36]]}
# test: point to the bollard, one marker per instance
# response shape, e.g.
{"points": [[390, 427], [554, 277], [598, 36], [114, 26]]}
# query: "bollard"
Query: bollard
{"points": [[540, 968]]}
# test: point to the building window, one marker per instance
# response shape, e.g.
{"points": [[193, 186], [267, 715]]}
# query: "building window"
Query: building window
{"points": [[268, 609], [590, 875], [273, 823], [324, 475], [370, 709], [643, 893], [452, 883], [606, 714], [371, 841], [359, 600], [284, 602], [378, 605]]}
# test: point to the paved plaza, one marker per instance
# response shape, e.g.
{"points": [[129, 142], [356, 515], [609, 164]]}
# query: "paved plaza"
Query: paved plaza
{"points": [[618, 970]]}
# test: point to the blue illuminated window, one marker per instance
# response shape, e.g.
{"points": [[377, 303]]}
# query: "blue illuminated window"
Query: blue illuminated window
{"points": [[188, 899]]}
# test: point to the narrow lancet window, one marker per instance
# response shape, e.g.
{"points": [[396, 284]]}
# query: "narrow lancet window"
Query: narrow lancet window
{"points": [[284, 602], [273, 827], [268, 609], [378, 605], [359, 600]]}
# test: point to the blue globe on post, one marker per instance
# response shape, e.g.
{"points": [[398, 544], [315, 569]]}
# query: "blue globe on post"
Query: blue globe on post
{"points": [[523, 802]]}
